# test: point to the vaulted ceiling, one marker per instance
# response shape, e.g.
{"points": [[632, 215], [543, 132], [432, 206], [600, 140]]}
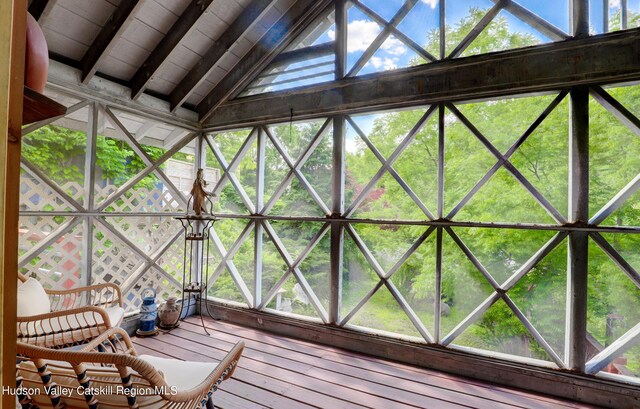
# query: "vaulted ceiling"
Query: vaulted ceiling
{"points": [[193, 54]]}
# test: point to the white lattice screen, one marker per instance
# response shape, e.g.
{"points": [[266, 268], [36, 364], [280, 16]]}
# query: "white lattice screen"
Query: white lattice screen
{"points": [[122, 230]]}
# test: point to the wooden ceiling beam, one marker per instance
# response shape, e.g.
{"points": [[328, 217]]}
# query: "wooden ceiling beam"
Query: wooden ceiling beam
{"points": [[604, 59], [251, 14], [122, 16], [169, 42], [295, 21]]}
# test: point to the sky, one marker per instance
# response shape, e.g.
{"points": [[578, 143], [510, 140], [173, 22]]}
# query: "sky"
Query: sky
{"points": [[422, 19]]}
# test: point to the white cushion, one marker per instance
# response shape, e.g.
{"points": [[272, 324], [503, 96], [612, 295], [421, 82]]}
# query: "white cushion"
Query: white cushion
{"points": [[182, 374], [32, 299]]}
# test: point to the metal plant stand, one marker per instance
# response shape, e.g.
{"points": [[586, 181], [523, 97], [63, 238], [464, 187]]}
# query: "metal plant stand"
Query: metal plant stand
{"points": [[197, 226]]}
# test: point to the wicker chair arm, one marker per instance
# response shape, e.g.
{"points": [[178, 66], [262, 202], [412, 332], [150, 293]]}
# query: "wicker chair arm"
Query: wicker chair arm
{"points": [[73, 312], [96, 292]]}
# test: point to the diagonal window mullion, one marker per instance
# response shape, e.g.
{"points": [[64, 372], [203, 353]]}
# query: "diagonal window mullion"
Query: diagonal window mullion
{"points": [[382, 37], [474, 260], [471, 318], [366, 252], [618, 110], [395, 31], [533, 331], [361, 303], [274, 290], [391, 170], [50, 183], [149, 262], [137, 148], [390, 286], [414, 247], [229, 170], [317, 139], [144, 173], [618, 200], [315, 301], [38, 248], [616, 257], [475, 32], [617, 348], [547, 248], [312, 244], [389, 162], [413, 317], [534, 21], [550, 209], [228, 263], [296, 170], [523, 138], [506, 286]]}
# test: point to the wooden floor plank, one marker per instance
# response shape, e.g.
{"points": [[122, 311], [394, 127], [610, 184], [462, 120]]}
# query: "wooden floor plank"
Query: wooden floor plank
{"points": [[281, 372], [262, 377], [334, 373], [427, 377], [317, 390]]}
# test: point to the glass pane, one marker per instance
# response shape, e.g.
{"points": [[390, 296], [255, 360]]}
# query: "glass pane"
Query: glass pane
{"points": [[416, 282], [58, 151], [541, 296], [500, 330], [614, 156], [612, 297], [463, 287]]}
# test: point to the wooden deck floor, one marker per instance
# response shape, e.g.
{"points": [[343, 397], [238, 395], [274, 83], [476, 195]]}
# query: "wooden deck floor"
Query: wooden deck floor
{"points": [[283, 373]]}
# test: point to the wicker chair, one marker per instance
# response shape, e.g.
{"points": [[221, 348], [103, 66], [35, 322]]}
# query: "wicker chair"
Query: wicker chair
{"points": [[117, 378], [68, 317]]}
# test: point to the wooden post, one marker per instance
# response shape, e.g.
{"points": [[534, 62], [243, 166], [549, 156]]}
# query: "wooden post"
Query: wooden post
{"points": [[577, 265], [13, 18], [338, 160]]}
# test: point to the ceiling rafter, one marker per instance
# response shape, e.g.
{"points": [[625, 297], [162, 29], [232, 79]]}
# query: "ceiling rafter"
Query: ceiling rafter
{"points": [[113, 28], [169, 42], [285, 30], [251, 14]]}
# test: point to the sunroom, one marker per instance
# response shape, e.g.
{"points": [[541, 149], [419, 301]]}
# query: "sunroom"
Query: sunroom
{"points": [[409, 203]]}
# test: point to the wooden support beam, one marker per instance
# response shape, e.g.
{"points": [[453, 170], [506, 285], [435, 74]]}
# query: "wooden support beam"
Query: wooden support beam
{"points": [[302, 54], [122, 16], [169, 42], [251, 14], [13, 21], [285, 30], [602, 59]]}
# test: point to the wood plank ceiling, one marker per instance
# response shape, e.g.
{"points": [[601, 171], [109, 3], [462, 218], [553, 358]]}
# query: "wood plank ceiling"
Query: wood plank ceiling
{"points": [[195, 54]]}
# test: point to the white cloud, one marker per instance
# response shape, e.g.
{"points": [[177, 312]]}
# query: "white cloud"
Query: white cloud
{"points": [[361, 34], [394, 46], [614, 3], [434, 3], [390, 63], [376, 62]]}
